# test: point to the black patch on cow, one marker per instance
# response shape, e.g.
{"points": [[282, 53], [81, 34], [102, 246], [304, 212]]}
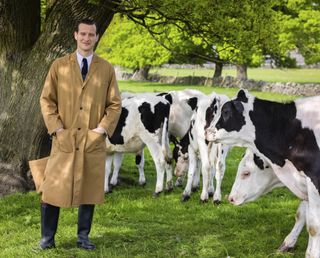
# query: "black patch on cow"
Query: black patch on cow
{"points": [[241, 96], [138, 159], [231, 118], [153, 121], [211, 112], [162, 94], [117, 138], [193, 102], [182, 146], [166, 95], [280, 136], [258, 161]]}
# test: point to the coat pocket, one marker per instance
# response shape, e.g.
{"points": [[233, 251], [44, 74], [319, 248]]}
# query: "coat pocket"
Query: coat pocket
{"points": [[96, 142], [64, 140]]}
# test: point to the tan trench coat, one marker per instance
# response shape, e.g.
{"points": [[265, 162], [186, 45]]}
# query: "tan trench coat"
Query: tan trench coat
{"points": [[74, 174]]}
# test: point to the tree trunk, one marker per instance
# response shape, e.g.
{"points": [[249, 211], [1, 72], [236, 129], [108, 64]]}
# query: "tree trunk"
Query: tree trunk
{"points": [[242, 72], [218, 70], [23, 135], [142, 73]]}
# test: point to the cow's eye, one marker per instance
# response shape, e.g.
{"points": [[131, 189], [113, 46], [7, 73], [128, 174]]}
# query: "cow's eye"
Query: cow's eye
{"points": [[245, 174]]}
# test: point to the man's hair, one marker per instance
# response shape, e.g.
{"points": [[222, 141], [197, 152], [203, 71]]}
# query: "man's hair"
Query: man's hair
{"points": [[87, 21]]}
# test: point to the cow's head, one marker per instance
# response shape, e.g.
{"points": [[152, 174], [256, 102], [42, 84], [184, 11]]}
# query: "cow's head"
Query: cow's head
{"points": [[233, 125], [254, 178]]}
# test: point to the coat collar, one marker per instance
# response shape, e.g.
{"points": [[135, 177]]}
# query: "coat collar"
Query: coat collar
{"points": [[93, 66]]}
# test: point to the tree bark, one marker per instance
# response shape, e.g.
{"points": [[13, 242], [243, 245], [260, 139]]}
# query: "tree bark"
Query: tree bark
{"points": [[23, 135], [242, 72], [142, 73]]}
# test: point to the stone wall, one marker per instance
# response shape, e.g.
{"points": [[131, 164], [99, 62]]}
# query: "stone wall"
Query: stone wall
{"points": [[289, 88]]}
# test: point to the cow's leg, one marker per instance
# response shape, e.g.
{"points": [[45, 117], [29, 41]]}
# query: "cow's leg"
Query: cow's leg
{"points": [[205, 170], [291, 239], [140, 166], [158, 159], [108, 166], [220, 169], [117, 161], [191, 172], [196, 178], [168, 157], [313, 221]]}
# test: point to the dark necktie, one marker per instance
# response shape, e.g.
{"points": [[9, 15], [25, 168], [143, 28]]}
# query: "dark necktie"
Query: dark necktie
{"points": [[84, 69]]}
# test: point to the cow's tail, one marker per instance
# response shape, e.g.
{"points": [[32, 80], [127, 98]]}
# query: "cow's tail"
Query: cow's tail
{"points": [[165, 145]]}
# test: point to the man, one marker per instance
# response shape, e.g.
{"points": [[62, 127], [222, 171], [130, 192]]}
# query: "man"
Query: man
{"points": [[81, 105]]}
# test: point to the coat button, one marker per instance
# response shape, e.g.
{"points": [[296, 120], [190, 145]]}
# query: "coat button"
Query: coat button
{"points": [[77, 148], [79, 128], [81, 108]]}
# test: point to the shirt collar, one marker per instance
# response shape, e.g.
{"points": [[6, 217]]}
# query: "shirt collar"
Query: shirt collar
{"points": [[80, 57]]}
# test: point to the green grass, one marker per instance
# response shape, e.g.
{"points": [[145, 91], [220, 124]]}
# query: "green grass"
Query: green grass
{"points": [[269, 75], [133, 224]]}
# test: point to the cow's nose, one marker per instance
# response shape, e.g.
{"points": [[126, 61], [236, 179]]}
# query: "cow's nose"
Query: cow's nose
{"points": [[231, 199]]}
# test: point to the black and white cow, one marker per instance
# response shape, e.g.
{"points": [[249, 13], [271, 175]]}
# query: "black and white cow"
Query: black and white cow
{"points": [[182, 104], [144, 121], [254, 178], [195, 154], [287, 135]]}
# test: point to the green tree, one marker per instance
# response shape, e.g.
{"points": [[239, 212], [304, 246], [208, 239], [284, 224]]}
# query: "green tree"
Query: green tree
{"points": [[128, 44], [301, 29], [238, 32]]}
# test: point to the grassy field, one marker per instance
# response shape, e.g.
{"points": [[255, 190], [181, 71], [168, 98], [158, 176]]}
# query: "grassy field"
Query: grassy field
{"points": [[269, 75], [133, 224]]}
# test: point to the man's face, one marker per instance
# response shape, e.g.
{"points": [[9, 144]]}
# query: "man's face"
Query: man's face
{"points": [[86, 37]]}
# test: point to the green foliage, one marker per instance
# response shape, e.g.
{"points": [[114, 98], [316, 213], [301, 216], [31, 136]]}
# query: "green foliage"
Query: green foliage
{"points": [[301, 29], [130, 45]]}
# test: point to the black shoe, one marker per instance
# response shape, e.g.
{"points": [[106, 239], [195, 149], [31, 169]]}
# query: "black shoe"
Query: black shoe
{"points": [[86, 245], [49, 224], [85, 215]]}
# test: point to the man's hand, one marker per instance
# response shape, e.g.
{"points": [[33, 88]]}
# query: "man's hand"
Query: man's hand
{"points": [[59, 130], [100, 130]]}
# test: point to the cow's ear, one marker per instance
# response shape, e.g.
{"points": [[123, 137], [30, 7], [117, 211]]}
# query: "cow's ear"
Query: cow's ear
{"points": [[192, 102], [238, 106], [243, 95]]}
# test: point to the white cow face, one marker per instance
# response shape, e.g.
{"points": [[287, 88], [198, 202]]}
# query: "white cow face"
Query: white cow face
{"points": [[233, 127], [254, 178]]}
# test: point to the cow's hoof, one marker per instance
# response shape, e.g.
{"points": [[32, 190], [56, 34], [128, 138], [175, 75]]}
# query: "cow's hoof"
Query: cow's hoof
{"points": [[284, 248], [185, 198], [108, 191], [216, 202], [170, 185], [169, 190], [142, 184], [156, 194], [203, 201], [194, 189], [210, 194]]}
